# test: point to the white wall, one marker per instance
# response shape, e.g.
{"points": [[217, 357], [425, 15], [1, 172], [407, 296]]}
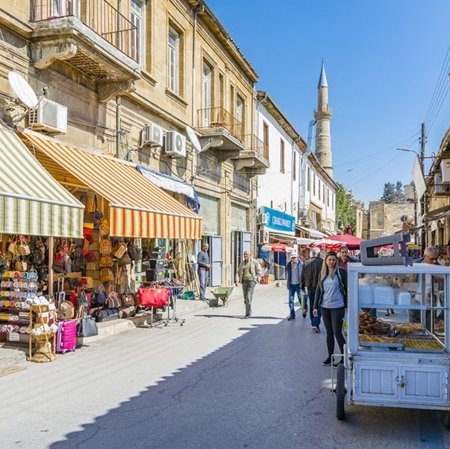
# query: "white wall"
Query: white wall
{"points": [[319, 196], [275, 187]]}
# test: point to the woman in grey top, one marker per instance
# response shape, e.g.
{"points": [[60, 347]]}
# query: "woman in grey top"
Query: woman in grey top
{"points": [[331, 297]]}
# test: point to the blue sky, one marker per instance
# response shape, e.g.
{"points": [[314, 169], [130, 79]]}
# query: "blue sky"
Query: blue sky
{"points": [[383, 59]]}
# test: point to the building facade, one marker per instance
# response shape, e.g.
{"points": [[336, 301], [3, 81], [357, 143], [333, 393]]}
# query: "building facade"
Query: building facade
{"points": [[133, 75], [385, 219]]}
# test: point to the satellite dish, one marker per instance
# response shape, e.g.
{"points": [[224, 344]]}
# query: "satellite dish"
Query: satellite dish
{"points": [[23, 90], [193, 138]]}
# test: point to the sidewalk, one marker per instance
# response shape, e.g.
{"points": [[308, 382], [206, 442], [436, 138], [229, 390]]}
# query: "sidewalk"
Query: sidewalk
{"points": [[14, 357]]}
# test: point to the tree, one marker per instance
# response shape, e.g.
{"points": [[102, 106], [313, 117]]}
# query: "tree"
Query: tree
{"points": [[345, 215], [393, 193]]}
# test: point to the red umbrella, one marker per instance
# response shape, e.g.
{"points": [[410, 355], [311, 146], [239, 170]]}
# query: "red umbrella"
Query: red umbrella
{"points": [[329, 245], [279, 247], [350, 241]]}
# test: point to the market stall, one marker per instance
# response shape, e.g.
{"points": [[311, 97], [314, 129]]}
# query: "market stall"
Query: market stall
{"points": [[403, 360]]}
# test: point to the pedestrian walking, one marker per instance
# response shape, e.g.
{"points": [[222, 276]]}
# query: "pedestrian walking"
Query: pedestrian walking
{"points": [[331, 297], [309, 281], [345, 258], [249, 273], [204, 266], [294, 273]]}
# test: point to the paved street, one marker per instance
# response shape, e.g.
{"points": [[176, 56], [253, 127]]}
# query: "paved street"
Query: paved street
{"points": [[218, 382]]}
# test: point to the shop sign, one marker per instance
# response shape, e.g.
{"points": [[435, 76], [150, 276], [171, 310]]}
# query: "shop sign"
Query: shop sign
{"points": [[275, 220]]}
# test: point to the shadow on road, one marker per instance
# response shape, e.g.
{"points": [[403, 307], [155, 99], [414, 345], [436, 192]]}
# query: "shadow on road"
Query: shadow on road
{"points": [[263, 390]]}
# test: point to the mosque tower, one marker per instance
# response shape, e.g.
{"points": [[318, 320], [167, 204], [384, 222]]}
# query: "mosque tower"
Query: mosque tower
{"points": [[323, 117]]}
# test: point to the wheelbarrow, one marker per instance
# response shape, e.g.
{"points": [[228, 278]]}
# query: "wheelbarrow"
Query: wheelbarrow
{"points": [[222, 293]]}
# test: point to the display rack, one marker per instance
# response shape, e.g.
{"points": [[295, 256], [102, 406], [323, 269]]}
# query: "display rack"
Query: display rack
{"points": [[42, 346]]}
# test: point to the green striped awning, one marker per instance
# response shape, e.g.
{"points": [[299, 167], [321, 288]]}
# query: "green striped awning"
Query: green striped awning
{"points": [[31, 201]]}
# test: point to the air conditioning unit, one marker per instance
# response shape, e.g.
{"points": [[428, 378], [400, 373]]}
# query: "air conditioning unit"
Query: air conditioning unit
{"points": [[153, 135], [263, 236], [175, 144], [262, 219], [49, 116]]}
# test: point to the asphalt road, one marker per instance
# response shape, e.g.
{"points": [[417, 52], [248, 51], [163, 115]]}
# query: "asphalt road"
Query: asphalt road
{"points": [[218, 382]]}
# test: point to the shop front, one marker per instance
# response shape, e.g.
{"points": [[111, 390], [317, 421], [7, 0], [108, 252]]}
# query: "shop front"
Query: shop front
{"points": [[241, 237], [210, 212], [35, 212], [275, 227], [133, 233]]}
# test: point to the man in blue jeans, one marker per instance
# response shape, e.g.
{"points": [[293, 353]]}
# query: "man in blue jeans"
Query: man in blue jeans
{"points": [[294, 273], [309, 280]]}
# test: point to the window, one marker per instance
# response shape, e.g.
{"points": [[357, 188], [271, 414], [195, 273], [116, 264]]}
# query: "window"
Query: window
{"points": [[221, 91], [240, 111], [266, 141], [136, 36], [294, 168], [314, 184], [206, 93], [282, 162], [308, 179], [174, 60]]}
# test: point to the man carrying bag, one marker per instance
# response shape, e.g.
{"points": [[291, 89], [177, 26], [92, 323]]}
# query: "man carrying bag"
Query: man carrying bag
{"points": [[249, 273]]}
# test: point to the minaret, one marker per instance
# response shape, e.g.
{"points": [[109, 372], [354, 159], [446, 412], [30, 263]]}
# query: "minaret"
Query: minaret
{"points": [[323, 116]]}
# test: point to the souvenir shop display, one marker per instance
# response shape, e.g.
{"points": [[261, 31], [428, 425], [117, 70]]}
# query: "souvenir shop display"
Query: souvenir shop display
{"points": [[43, 328]]}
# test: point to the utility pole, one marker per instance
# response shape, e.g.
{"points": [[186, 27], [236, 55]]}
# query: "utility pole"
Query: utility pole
{"points": [[423, 201]]}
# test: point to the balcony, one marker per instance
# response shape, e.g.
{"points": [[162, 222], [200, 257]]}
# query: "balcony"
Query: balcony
{"points": [[252, 160], [222, 132], [92, 37]]}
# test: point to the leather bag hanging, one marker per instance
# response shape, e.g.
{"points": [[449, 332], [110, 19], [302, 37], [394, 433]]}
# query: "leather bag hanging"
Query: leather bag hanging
{"points": [[105, 247], [106, 261], [106, 275], [120, 250], [113, 300]]}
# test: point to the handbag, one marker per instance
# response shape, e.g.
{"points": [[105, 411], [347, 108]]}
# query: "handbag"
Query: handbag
{"points": [[120, 250], [106, 275], [21, 265], [87, 327], [92, 266], [104, 227], [106, 261], [127, 300], [23, 248], [124, 260], [105, 247], [113, 301], [153, 297], [134, 252], [12, 247]]}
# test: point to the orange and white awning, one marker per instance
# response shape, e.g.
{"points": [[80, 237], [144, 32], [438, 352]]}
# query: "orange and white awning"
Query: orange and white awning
{"points": [[138, 208]]}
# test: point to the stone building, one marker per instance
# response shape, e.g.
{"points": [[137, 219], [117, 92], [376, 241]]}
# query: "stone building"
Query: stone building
{"points": [[384, 219], [132, 78]]}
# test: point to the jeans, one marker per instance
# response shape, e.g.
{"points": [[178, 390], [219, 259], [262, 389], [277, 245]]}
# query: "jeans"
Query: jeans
{"points": [[315, 320], [293, 289], [248, 287], [203, 276], [333, 320]]}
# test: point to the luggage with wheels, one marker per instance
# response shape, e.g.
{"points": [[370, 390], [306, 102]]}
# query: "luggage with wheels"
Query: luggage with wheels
{"points": [[66, 338]]}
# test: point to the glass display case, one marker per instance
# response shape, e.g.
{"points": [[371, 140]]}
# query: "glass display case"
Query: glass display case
{"points": [[397, 342]]}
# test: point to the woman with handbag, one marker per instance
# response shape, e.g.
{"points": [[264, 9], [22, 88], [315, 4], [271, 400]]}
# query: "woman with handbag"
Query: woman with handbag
{"points": [[331, 297]]}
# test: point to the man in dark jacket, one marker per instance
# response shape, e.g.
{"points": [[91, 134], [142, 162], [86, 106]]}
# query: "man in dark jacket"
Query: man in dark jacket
{"points": [[309, 280], [293, 276]]}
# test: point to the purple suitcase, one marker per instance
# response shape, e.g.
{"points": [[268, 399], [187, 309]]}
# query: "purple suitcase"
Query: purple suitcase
{"points": [[66, 339]]}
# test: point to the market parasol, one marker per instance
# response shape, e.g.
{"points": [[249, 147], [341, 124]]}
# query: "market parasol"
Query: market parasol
{"points": [[329, 245], [275, 247], [350, 241]]}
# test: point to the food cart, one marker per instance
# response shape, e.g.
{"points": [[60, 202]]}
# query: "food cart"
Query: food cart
{"points": [[397, 351]]}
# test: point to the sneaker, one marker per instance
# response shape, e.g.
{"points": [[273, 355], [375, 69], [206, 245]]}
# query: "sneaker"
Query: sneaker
{"points": [[316, 329], [304, 314], [327, 362], [291, 318]]}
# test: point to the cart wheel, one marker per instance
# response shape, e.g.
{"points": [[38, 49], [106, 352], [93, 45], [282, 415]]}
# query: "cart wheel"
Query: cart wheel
{"points": [[340, 392], [446, 419]]}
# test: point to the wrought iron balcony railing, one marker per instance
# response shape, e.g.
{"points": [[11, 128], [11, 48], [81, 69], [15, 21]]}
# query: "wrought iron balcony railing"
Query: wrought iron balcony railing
{"points": [[220, 118], [241, 182], [98, 15]]}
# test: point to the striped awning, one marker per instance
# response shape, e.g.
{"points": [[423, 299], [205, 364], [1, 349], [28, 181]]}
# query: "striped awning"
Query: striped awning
{"points": [[31, 201], [138, 208]]}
